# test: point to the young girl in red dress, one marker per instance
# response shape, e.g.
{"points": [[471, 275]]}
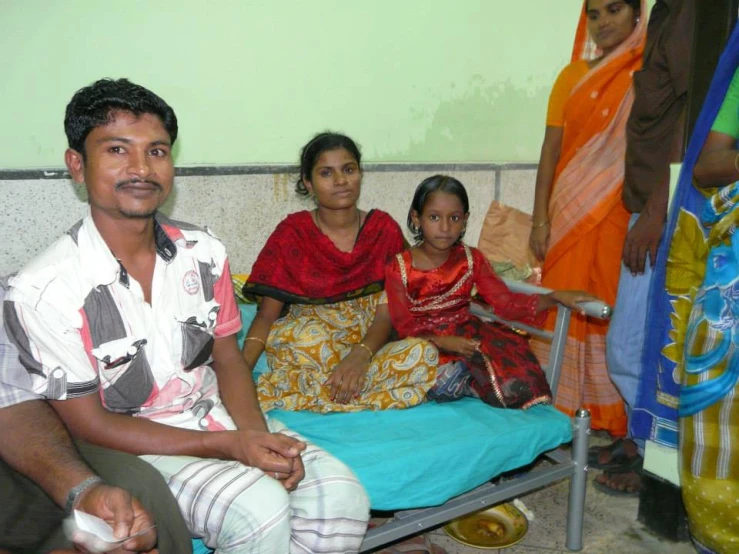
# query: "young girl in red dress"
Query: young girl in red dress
{"points": [[430, 288]]}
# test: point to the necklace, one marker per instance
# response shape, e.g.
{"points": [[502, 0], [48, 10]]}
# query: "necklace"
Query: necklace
{"points": [[356, 236]]}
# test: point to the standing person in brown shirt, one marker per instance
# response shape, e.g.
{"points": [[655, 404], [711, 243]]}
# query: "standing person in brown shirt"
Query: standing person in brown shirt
{"points": [[654, 140]]}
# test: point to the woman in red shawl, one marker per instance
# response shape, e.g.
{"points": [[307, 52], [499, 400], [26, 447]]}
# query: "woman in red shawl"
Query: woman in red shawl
{"points": [[325, 267]]}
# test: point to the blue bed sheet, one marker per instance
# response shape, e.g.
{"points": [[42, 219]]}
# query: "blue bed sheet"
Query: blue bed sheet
{"points": [[425, 455], [428, 454]]}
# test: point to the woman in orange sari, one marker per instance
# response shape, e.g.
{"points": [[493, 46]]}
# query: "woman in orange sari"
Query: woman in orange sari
{"points": [[579, 223]]}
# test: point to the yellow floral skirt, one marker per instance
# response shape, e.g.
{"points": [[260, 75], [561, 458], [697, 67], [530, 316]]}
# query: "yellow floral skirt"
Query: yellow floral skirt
{"points": [[305, 346]]}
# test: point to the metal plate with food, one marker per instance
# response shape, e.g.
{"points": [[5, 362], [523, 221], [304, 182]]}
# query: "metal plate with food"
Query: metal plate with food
{"points": [[497, 527]]}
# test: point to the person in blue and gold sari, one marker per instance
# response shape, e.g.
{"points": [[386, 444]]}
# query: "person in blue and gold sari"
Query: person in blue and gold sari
{"points": [[702, 285]]}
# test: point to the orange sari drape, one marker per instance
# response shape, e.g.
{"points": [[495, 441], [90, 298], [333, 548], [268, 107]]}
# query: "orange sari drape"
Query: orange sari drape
{"points": [[589, 223]]}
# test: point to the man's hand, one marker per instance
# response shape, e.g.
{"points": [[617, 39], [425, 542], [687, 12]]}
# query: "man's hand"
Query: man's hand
{"points": [[291, 478], [459, 345], [348, 377], [277, 455], [290, 482], [642, 240], [123, 513]]}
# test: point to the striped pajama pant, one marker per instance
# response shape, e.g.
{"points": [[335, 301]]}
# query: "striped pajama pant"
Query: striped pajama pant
{"points": [[239, 509]]}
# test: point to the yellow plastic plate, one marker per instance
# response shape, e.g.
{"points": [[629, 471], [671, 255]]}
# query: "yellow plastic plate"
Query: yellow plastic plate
{"points": [[497, 527]]}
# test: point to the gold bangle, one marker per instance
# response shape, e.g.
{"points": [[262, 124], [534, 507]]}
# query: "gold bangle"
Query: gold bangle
{"points": [[256, 339], [367, 348], [537, 225], [736, 162]]}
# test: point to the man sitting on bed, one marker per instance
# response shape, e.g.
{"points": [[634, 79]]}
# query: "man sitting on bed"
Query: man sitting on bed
{"points": [[128, 323]]}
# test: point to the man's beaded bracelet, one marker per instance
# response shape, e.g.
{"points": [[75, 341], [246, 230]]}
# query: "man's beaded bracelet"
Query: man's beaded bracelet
{"points": [[76, 491]]}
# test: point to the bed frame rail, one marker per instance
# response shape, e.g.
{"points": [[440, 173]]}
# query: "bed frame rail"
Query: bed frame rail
{"points": [[558, 337]]}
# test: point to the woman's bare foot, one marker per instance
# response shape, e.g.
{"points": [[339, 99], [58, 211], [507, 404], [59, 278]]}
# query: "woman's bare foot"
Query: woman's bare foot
{"points": [[624, 484], [620, 453]]}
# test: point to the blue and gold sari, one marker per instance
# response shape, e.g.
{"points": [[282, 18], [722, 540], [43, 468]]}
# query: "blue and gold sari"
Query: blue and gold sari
{"points": [[690, 381]]}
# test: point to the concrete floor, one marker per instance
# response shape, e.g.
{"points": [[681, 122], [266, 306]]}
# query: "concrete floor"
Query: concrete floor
{"points": [[610, 525]]}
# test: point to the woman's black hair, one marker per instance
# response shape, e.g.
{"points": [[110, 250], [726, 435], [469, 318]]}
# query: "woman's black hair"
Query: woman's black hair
{"points": [[428, 186], [634, 4], [319, 144]]}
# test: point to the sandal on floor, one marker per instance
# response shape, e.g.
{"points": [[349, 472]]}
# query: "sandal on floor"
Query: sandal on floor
{"points": [[419, 544], [632, 490], [618, 459]]}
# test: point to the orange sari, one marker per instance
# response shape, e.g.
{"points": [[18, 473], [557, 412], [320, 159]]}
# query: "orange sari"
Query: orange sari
{"points": [[589, 222]]}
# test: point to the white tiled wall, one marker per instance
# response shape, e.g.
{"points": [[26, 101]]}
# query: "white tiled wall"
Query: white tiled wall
{"points": [[517, 188], [241, 209]]}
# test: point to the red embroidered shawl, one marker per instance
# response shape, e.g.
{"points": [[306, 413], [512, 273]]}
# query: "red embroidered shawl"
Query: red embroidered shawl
{"points": [[300, 265]]}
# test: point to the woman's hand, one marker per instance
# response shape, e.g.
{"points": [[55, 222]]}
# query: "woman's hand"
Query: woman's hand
{"points": [[539, 241], [348, 377], [572, 298], [459, 345]]}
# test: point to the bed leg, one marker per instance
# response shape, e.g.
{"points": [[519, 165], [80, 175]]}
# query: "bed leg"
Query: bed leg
{"points": [[578, 482]]}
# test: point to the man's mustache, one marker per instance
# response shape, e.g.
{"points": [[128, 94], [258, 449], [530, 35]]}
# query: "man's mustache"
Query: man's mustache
{"points": [[121, 184]]}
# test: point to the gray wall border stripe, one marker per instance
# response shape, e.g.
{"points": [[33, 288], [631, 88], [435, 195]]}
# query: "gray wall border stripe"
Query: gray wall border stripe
{"points": [[258, 169]]}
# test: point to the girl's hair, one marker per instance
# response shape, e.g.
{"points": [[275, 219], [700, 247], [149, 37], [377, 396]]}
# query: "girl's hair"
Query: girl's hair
{"points": [[319, 144], [428, 186], [634, 4]]}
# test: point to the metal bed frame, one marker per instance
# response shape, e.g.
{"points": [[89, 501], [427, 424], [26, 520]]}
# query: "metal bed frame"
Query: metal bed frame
{"points": [[565, 464]]}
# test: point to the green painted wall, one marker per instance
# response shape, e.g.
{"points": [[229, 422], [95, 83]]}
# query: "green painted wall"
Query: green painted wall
{"points": [[252, 80]]}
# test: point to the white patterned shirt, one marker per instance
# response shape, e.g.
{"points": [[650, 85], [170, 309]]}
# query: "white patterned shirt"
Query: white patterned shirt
{"points": [[82, 325]]}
